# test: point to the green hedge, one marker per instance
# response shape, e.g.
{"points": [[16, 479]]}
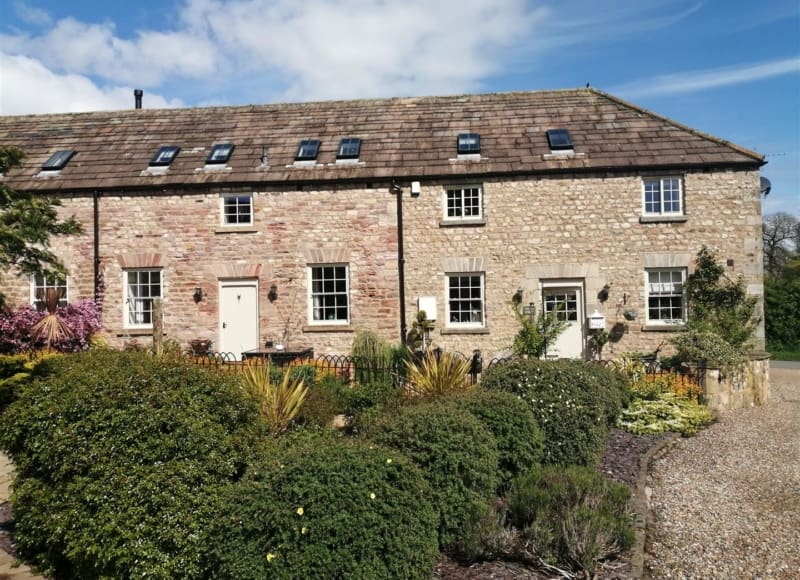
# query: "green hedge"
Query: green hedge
{"points": [[574, 402], [457, 454], [119, 457], [520, 441], [323, 507]]}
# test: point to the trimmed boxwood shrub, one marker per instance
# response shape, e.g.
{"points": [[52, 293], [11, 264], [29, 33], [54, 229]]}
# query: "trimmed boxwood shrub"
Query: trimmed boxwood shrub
{"points": [[326, 399], [457, 454], [520, 441], [119, 456], [322, 507], [575, 403], [364, 396]]}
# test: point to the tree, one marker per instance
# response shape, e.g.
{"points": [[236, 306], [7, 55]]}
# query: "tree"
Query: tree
{"points": [[781, 236], [534, 336], [782, 312], [719, 305], [27, 223]]}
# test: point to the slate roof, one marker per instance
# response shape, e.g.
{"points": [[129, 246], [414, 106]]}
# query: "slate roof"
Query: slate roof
{"points": [[403, 139]]}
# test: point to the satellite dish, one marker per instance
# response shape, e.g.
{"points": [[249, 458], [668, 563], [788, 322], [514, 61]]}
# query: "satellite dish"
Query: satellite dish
{"points": [[766, 186]]}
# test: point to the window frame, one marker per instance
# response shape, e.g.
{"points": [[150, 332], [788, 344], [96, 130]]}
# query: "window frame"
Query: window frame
{"points": [[302, 154], [346, 146], [223, 204], [661, 201], [58, 160], [468, 144], [126, 298], [665, 322], [164, 156], [470, 324], [220, 153], [560, 140], [312, 309], [461, 189], [563, 302], [35, 287]]}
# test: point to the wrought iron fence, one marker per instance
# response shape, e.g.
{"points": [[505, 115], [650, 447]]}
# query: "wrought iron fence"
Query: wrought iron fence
{"points": [[347, 368]]}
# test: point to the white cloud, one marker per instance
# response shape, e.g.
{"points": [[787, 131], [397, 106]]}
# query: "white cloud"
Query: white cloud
{"points": [[31, 15], [72, 46], [348, 48], [694, 81], [28, 87], [317, 49]]}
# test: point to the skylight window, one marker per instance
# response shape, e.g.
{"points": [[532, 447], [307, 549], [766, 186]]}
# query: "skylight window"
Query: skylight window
{"points": [[349, 148], [559, 140], [307, 150], [220, 153], [469, 143], [58, 160], [164, 156]]}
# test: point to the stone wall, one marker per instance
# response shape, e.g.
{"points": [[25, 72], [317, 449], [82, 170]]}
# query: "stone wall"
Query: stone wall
{"points": [[583, 228], [180, 233], [739, 388], [577, 227]]}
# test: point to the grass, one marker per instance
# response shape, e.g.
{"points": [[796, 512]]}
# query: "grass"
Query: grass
{"points": [[785, 355]]}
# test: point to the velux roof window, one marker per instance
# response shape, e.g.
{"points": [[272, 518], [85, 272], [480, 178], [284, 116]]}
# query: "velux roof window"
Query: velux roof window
{"points": [[469, 143], [164, 156], [307, 150], [349, 148], [58, 160], [220, 153], [559, 140]]}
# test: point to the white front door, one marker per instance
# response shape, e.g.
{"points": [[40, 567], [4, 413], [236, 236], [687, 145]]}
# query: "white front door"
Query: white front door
{"points": [[567, 304], [238, 316]]}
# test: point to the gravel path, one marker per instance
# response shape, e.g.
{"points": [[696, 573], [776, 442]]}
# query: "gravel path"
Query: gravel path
{"points": [[726, 502]]}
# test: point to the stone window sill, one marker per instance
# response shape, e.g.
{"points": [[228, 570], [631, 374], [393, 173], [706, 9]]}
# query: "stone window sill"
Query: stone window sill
{"points": [[236, 230], [446, 331], [135, 332], [655, 219], [328, 328], [663, 328], [462, 223]]}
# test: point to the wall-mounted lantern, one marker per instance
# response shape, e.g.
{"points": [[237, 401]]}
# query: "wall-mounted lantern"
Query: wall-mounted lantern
{"points": [[272, 295], [198, 294], [602, 296]]}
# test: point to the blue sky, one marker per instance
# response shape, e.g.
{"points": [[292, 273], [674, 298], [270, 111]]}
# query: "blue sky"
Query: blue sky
{"points": [[727, 67]]}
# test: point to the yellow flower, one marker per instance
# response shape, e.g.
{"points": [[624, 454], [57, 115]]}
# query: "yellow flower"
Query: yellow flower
{"points": [[388, 461], [270, 557], [304, 530], [300, 511], [372, 496]]}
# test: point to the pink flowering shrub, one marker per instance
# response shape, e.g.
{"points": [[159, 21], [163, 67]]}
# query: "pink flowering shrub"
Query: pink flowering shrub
{"points": [[81, 317]]}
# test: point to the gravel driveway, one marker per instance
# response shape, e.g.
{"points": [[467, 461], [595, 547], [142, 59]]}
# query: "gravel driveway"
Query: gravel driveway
{"points": [[726, 502]]}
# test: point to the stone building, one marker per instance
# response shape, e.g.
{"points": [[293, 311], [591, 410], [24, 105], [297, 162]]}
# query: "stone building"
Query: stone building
{"points": [[299, 223]]}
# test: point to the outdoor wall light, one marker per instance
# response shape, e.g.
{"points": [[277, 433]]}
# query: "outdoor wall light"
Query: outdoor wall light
{"points": [[198, 294], [273, 293], [602, 296]]}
